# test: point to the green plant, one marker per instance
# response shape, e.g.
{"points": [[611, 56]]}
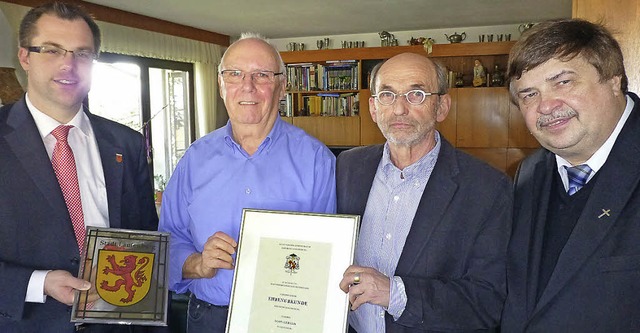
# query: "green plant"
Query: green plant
{"points": [[160, 183]]}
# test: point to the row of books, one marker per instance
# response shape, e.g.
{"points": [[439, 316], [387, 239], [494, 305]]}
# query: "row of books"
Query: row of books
{"points": [[323, 104], [286, 106], [337, 75]]}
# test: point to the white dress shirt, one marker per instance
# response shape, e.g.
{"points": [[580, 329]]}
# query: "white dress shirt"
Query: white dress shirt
{"points": [[93, 190]]}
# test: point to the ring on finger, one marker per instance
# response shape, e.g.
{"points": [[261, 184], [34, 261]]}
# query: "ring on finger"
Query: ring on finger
{"points": [[356, 278]]}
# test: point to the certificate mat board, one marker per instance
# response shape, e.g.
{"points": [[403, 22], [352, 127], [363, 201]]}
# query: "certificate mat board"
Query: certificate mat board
{"points": [[128, 271], [288, 270]]}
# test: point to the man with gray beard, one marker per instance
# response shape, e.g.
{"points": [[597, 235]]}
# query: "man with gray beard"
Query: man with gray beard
{"points": [[574, 257], [435, 221]]}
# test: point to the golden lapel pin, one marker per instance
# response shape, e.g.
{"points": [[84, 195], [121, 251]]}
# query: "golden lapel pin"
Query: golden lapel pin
{"points": [[604, 212]]}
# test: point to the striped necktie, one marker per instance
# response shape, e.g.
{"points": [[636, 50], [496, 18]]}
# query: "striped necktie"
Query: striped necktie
{"points": [[578, 176]]}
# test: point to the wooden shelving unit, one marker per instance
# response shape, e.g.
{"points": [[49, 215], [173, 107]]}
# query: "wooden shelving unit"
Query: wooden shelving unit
{"points": [[373, 53], [482, 121]]}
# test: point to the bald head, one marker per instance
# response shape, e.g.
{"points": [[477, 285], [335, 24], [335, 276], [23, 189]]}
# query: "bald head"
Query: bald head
{"points": [[252, 45], [421, 64], [411, 58]]}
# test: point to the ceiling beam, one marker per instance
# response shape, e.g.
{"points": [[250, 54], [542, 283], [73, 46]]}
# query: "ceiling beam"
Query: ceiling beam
{"points": [[121, 17]]}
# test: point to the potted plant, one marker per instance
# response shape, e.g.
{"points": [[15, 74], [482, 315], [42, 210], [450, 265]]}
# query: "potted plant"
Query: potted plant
{"points": [[159, 183]]}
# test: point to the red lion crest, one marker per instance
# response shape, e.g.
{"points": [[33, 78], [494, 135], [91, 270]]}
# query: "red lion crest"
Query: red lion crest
{"points": [[130, 275]]}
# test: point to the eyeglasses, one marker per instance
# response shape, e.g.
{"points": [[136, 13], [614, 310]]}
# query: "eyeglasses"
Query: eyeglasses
{"points": [[414, 97], [234, 76], [55, 52]]}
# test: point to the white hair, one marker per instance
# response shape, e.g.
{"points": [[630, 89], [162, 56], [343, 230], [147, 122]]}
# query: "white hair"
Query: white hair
{"points": [[255, 35]]}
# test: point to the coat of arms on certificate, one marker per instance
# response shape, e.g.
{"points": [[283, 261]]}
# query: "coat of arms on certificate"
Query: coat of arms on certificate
{"points": [[128, 273], [292, 264]]}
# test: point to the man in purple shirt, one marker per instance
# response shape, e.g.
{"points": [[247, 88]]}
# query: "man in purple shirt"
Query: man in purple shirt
{"points": [[256, 161]]}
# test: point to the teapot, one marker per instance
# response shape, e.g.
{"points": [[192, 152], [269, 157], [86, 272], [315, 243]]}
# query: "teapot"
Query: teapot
{"points": [[525, 26], [455, 38]]}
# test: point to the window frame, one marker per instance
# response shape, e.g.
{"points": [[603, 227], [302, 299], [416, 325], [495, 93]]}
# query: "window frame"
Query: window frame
{"points": [[145, 99]]}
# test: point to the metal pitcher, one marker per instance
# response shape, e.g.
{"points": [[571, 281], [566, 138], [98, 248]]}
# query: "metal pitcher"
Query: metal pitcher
{"points": [[525, 26], [455, 38]]}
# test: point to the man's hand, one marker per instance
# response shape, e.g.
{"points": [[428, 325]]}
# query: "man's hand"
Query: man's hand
{"points": [[61, 285], [91, 295], [217, 253], [365, 285]]}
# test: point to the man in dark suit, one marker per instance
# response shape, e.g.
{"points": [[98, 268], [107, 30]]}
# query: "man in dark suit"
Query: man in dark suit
{"points": [[39, 249], [432, 245], [574, 257]]}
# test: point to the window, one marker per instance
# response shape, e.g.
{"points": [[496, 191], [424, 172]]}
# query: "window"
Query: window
{"points": [[154, 97]]}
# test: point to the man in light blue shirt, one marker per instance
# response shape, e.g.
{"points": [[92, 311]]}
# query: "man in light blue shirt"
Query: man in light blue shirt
{"points": [[256, 161], [435, 221]]}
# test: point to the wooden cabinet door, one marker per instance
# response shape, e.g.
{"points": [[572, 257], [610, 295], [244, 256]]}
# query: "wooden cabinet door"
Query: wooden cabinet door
{"points": [[369, 131], [622, 17], [332, 131], [482, 117]]}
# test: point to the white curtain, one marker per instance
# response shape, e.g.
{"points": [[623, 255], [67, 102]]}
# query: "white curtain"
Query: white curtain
{"points": [[206, 97], [138, 42], [13, 14]]}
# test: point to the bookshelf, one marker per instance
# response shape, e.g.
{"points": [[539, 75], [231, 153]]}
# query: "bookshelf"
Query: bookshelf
{"points": [[322, 89], [482, 121]]}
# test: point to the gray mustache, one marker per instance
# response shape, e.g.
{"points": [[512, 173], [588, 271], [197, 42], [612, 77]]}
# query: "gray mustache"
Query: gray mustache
{"points": [[555, 115]]}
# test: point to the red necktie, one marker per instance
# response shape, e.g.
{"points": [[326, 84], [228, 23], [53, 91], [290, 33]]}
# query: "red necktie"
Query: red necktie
{"points": [[64, 165]]}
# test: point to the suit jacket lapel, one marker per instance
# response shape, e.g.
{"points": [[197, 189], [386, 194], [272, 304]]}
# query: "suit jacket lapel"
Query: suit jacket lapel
{"points": [[26, 143], [366, 174], [616, 182], [113, 168], [535, 207], [435, 200]]}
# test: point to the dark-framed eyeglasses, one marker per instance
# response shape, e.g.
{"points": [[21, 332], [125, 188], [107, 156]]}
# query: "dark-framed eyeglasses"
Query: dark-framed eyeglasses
{"points": [[414, 97], [56, 52], [233, 76]]}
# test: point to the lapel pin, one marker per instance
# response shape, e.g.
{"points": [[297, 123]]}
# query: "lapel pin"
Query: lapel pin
{"points": [[604, 212], [119, 158]]}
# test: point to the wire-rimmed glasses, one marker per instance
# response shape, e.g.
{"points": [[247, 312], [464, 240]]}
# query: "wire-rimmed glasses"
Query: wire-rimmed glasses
{"points": [[414, 97], [233, 76], [56, 52]]}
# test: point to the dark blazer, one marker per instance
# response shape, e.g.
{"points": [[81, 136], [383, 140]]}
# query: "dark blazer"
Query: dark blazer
{"points": [[35, 229], [453, 261], [595, 286]]}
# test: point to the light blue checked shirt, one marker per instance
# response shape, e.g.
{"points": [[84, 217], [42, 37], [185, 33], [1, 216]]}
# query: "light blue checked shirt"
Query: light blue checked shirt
{"points": [[392, 204]]}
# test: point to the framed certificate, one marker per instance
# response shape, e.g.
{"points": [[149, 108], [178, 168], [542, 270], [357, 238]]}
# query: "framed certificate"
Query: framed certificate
{"points": [[288, 269], [128, 273]]}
